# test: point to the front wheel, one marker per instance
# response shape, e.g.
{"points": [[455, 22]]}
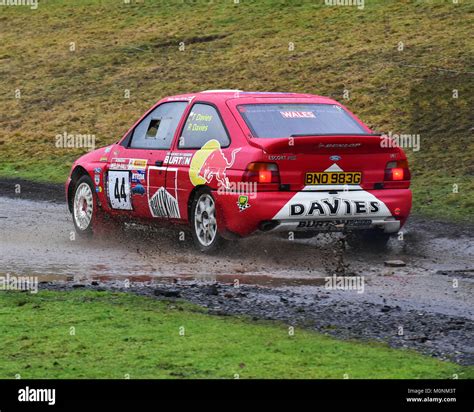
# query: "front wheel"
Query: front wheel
{"points": [[83, 206], [87, 217], [204, 223]]}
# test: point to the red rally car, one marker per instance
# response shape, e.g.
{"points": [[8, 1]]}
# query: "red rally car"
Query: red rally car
{"points": [[230, 163]]}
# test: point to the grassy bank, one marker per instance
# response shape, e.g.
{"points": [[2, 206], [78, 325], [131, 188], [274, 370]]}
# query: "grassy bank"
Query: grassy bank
{"points": [[253, 45], [84, 334]]}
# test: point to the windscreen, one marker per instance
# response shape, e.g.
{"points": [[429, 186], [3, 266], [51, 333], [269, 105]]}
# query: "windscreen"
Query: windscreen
{"points": [[285, 120]]}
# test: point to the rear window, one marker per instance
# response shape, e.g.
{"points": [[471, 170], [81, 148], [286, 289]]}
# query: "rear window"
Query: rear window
{"points": [[285, 120]]}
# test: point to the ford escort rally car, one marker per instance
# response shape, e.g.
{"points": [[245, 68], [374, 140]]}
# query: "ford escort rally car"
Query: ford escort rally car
{"points": [[229, 163]]}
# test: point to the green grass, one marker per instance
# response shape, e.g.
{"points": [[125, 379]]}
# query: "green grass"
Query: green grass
{"points": [[246, 46], [121, 335]]}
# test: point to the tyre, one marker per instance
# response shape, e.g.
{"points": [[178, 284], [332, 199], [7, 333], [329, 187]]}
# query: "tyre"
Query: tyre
{"points": [[204, 228], [87, 217], [373, 238]]}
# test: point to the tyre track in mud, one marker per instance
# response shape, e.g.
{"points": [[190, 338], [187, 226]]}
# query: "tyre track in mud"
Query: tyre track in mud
{"points": [[279, 279]]}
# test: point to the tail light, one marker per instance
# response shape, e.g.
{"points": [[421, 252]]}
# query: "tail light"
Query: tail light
{"points": [[397, 171], [265, 174]]}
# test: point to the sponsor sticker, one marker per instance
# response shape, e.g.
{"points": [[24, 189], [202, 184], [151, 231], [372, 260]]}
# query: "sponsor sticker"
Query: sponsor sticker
{"points": [[178, 159], [297, 115], [137, 163], [335, 207], [120, 163], [138, 176], [179, 99], [243, 202], [138, 190], [210, 162], [335, 225]]}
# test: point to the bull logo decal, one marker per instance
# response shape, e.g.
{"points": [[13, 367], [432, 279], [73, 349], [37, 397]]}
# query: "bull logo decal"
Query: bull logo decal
{"points": [[210, 162]]}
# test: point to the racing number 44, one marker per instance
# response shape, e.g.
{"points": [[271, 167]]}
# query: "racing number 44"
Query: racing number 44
{"points": [[120, 194]]}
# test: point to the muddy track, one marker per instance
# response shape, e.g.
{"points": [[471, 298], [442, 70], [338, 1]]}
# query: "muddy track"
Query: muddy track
{"points": [[426, 304]]}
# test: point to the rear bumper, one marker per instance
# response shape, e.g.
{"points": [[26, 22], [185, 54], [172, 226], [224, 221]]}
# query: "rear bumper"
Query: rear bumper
{"points": [[313, 211], [388, 225]]}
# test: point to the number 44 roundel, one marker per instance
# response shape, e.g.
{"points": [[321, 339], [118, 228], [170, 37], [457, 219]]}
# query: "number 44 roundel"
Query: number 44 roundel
{"points": [[119, 189]]}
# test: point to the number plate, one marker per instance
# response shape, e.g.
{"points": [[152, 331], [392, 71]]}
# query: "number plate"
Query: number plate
{"points": [[333, 178], [119, 189]]}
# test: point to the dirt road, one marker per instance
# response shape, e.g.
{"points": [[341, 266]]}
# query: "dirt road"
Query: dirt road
{"points": [[432, 297]]}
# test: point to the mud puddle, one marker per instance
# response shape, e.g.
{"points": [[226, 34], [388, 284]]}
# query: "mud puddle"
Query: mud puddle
{"points": [[260, 280]]}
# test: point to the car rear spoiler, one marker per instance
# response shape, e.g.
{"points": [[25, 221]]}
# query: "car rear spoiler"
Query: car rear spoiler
{"points": [[362, 143]]}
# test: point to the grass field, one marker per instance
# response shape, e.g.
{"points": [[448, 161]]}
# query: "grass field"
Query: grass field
{"points": [[118, 335], [253, 45]]}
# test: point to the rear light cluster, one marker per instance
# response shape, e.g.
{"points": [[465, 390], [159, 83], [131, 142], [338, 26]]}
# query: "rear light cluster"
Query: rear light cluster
{"points": [[265, 174], [396, 171]]}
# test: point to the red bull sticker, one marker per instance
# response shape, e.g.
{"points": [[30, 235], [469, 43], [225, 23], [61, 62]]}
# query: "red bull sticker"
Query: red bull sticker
{"points": [[210, 163]]}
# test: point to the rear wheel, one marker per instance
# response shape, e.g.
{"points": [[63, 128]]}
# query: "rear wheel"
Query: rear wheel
{"points": [[204, 223], [373, 238]]}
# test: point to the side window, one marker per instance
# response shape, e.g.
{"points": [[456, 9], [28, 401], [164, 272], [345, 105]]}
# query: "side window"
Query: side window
{"points": [[203, 124], [156, 130]]}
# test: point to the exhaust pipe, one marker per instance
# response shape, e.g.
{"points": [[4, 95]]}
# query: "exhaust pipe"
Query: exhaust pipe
{"points": [[268, 225]]}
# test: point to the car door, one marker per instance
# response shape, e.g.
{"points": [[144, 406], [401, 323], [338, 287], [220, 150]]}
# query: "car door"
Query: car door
{"points": [[199, 155], [136, 178]]}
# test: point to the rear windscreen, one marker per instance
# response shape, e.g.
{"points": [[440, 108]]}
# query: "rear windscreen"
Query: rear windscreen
{"points": [[285, 120]]}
